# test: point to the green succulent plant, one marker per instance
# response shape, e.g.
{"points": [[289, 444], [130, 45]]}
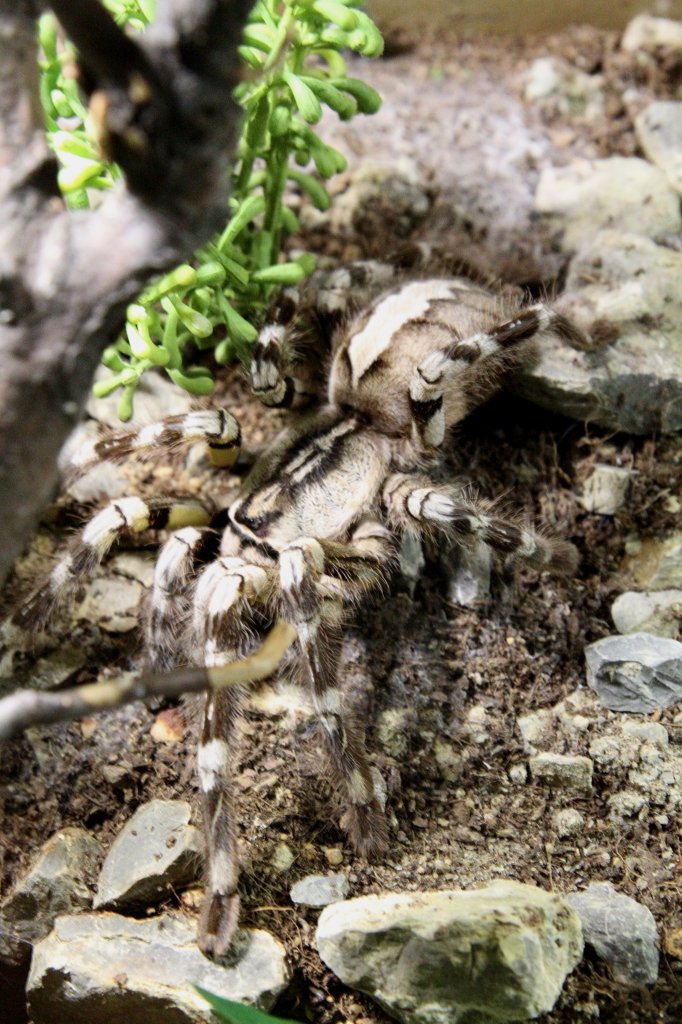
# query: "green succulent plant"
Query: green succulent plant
{"points": [[295, 52]]}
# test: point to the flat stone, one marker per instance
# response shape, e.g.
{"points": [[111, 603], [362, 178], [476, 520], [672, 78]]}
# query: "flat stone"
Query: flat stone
{"points": [[589, 196], [563, 771], [656, 611], [620, 930], [112, 603], [536, 728], [623, 291], [156, 853], [500, 953], [659, 132], [320, 890], [105, 969], [563, 89], [604, 489], [648, 34], [60, 880], [637, 672]]}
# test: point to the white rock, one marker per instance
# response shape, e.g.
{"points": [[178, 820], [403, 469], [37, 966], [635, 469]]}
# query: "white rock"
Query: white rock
{"points": [[101, 968], [536, 728], [589, 196], [657, 611], [112, 603], [648, 33], [564, 88], [320, 890], [604, 490], [563, 771], [568, 821], [155, 398], [659, 132], [499, 953], [657, 563]]}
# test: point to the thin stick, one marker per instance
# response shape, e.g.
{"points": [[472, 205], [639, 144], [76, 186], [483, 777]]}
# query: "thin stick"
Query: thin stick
{"points": [[25, 708]]}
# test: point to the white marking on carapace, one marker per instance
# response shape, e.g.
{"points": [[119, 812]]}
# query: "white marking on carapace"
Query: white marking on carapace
{"points": [[408, 303]]}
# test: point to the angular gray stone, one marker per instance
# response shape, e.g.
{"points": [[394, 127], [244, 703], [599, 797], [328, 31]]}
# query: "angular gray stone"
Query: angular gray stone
{"points": [[659, 132], [589, 196], [657, 611], [112, 603], [637, 672], [60, 880], [627, 286], [155, 853], [155, 398], [563, 771], [646, 33], [320, 890], [604, 489], [107, 969], [500, 953], [620, 930]]}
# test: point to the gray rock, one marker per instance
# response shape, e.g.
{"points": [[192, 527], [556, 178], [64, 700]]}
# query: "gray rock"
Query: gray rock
{"points": [[393, 730], [500, 953], [646, 33], [470, 573], [320, 890], [620, 930], [156, 852], [589, 196], [104, 480], [563, 771], [657, 611], [536, 728], [604, 489], [107, 969], [624, 288], [112, 603], [659, 132], [60, 880], [638, 672], [56, 668]]}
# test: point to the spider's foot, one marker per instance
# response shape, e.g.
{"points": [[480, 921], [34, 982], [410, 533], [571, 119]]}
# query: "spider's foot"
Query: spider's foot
{"points": [[367, 829], [562, 557], [217, 924]]}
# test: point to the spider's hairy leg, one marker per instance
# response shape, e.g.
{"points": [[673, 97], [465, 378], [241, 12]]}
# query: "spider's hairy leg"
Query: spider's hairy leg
{"points": [[414, 503], [118, 518], [170, 597], [309, 569], [216, 428], [433, 375], [223, 594], [283, 374]]}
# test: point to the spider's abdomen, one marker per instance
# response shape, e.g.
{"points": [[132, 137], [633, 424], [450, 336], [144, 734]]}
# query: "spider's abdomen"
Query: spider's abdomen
{"points": [[316, 480], [378, 351]]}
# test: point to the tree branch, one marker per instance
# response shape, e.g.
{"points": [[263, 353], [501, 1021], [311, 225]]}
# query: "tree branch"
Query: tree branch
{"points": [[165, 110], [25, 708]]}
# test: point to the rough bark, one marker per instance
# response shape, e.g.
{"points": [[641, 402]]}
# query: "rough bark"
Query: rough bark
{"points": [[66, 277]]}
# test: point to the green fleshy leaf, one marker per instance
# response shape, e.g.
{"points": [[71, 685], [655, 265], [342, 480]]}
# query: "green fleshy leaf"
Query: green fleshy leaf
{"points": [[239, 1013]]}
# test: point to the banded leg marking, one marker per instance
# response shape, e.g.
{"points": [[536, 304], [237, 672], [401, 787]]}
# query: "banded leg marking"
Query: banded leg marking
{"points": [[437, 369], [222, 593], [302, 566], [217, 428], [171, 598], [125, 515], [413, 503]]}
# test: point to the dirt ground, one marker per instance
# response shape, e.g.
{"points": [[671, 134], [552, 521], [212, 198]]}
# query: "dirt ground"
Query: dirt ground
{"points": [[462, 676]]}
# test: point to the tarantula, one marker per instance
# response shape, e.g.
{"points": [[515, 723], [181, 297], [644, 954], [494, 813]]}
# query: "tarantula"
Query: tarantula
{"points": [[316, 523]]}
